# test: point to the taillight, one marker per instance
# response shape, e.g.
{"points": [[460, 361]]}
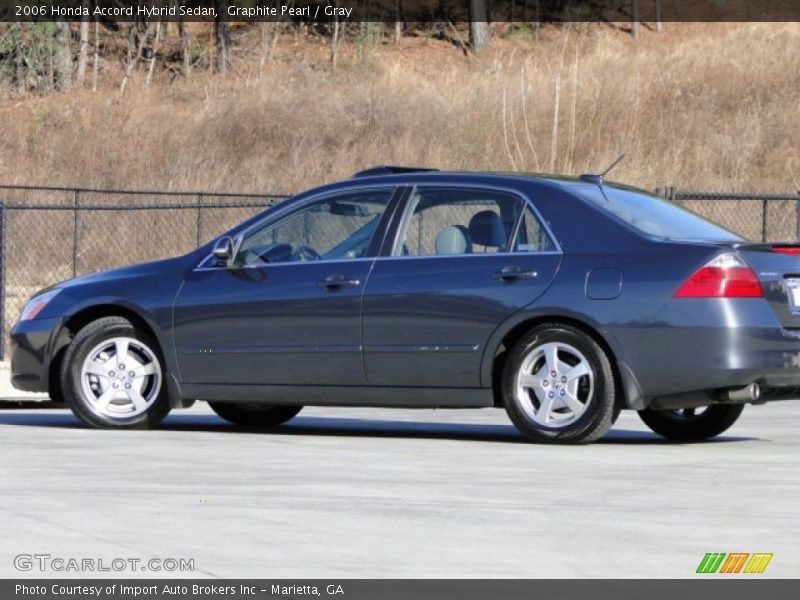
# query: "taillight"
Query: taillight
{"points": [[726, 276], [790, 250]]}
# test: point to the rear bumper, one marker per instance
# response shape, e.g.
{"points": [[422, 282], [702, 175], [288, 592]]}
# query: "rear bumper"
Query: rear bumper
{"points": [[30, 354], [713, 358]]}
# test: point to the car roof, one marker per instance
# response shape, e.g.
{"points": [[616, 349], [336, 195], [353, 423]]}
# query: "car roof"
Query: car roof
{"points": [[498, 178]]}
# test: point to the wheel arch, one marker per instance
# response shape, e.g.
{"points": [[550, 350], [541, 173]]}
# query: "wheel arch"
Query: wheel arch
{"points": [[628, 391], [80, 319]]}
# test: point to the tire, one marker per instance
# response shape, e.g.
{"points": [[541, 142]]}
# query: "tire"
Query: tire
{"points": [[582, 401], [688, 424], [615, 415], [100, 393], [254, 416]]}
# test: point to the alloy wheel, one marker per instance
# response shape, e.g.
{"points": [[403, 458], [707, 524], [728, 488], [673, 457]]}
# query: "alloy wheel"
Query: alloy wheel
{"points": [[554, 385], [121, 377]]}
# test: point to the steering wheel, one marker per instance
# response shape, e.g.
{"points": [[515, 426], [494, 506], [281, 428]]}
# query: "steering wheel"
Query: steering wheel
{"points": [[304, 253]]}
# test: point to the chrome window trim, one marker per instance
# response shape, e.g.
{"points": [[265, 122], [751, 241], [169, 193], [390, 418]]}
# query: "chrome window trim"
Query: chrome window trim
{"points": [[475, 255], [525, 200], [349, 261], [239, 238]]}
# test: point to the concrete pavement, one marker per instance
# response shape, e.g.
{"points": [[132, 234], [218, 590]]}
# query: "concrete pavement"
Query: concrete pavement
{"points": [[398, 493]]}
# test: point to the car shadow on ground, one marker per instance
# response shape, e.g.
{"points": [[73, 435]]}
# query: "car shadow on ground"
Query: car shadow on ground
{"points": [[355, 427]]}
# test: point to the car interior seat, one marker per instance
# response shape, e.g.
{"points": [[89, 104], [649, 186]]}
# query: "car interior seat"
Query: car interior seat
{"points": [[453, 239], [486, 229]]}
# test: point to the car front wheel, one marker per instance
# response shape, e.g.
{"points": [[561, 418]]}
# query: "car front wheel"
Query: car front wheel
{"points": [[113, 376], [254, 415], [558, 386], [692, 423]]}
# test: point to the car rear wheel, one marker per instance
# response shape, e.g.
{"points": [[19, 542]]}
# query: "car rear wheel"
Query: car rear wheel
{"points": [[558, 386], [692, 423], [112, 376], [254, 415]]}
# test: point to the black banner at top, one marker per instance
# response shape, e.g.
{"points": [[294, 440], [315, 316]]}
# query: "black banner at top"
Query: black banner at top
{"points": [[399, 10]]}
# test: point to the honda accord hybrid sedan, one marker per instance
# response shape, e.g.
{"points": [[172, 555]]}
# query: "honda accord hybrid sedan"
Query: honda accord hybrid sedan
{"points": [[562, 300]]}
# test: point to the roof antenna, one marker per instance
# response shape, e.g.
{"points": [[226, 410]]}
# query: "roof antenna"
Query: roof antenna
{"points": [[599, 179]]}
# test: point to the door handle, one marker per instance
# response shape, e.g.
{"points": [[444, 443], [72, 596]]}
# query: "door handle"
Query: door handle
{"points": [[337, 282], [514, 273]]}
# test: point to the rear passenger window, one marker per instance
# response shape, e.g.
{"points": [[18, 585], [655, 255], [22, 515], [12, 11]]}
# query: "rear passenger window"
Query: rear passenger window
{"points": [[441, 221], [532, 237]]}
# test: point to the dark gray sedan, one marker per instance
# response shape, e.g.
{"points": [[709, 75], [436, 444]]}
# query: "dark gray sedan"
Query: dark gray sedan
{"points": [[563, 300]]}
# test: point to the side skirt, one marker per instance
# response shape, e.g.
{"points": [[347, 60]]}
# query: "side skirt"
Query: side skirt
{"points": [[308, 395]]}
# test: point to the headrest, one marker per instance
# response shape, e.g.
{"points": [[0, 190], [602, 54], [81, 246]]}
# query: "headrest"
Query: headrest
{"points": [[452, 240], [486, 229]]}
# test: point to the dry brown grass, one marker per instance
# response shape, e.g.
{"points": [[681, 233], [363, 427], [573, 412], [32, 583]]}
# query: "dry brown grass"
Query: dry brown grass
{"points": [[705, 106]]}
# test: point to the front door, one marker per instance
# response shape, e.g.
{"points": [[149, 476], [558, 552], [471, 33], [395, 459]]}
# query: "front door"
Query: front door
{"points": [[288, 308], [464, 260]]}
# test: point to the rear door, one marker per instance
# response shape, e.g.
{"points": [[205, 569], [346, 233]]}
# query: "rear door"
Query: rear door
{"points": [[462, 260]]}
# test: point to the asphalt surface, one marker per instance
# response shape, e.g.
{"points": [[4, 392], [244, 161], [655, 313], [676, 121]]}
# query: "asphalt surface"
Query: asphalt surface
{"points": [[397, 493]]}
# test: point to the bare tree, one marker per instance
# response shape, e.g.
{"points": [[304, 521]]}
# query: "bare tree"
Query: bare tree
{"points": [[95, 63], [153, 53], [658, 16], [398, 20], [269, 37], [135, 56], [222, 37], [19, 64], [635, 19], [479, 36], [186, 47], [63, 57], [335, 36], [83, 48]]}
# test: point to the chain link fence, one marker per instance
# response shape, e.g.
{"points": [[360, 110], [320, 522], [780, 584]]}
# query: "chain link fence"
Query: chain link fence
{"points": [[49, 234], [773, 217]]}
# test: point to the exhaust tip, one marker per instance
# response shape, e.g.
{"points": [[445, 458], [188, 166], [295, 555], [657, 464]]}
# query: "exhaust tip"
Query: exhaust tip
{"points": [[748, 393]]}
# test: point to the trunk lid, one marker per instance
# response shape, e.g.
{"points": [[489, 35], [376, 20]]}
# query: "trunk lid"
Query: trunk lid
{"points": [[777, 267]]}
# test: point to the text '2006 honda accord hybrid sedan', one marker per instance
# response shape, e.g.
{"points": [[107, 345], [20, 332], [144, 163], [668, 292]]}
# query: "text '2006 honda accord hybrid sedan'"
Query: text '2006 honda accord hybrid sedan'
{"points": [[563, 300]]}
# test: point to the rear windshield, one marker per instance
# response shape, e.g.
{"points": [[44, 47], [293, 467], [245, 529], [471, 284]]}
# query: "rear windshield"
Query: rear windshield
{"points": [[653, 215]]}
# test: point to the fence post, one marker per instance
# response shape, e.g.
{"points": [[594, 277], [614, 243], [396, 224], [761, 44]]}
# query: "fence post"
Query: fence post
{"points": [[2, 281], [764, 215], [199, 218], [75, 231]]}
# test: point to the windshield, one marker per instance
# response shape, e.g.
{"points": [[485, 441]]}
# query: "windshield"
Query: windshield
{"points": [[654, 215]]}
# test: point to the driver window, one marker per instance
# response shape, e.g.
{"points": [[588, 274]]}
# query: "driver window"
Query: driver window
{"points": [[334, 228]]}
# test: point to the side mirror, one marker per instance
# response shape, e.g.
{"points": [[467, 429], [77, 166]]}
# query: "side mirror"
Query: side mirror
{"points": [[223, 250]]}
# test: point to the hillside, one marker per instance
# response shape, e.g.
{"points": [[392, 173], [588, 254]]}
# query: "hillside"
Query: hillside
{"points": [[705, 106]]}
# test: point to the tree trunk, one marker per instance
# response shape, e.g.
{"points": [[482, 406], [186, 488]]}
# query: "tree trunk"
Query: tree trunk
{"points": [[186, 47], [136, 58], [658, 16], [19, 61], [335, 38], [635, 19], [270, 30], [478, 25], [398, 23], [83, 49], [222, 37], [153, 52], [63, 57], [95, 65]]}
